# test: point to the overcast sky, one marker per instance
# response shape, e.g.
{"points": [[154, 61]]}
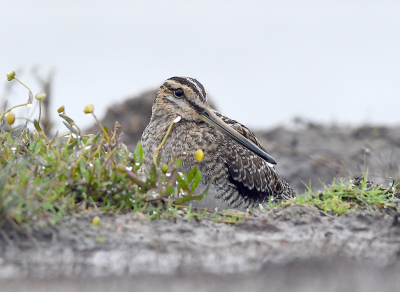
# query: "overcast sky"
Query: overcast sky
{"points": [[264, 62]]}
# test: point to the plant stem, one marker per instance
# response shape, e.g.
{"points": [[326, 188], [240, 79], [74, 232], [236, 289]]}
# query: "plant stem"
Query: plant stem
{"points": [[40, 110], [24, 86], [102, 128], [162, 142], [10, 109]]}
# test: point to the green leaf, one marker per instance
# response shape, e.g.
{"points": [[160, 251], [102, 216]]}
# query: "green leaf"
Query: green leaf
{"points": [[68, 119], [37, 126], [138, 155], [182, 184], [97, 137], [70, 128], [178, 162], [195, 181]]}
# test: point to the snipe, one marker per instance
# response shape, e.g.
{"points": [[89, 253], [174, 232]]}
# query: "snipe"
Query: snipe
{"points": [[242, 171]]}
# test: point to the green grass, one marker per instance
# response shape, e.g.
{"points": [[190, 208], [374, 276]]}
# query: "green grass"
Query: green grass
{"points": [[42, 180], [342, 197]]}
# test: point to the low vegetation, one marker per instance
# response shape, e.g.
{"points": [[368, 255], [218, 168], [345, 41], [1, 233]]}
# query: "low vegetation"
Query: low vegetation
{"points": [[43, 178], [356, 194]]}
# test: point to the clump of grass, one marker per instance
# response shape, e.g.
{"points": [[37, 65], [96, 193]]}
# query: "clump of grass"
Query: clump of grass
{"points": [[341, 197]]}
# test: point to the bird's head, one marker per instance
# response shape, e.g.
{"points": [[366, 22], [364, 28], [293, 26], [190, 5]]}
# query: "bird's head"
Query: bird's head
{"points": [[182, 96], [187, 98]]}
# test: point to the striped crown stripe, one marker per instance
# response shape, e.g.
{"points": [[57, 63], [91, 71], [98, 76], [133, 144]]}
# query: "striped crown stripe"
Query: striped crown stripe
{"points": [[195, 85]]}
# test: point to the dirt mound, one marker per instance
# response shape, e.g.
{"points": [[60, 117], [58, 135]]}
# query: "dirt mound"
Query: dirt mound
{"points": [[308, 152]]}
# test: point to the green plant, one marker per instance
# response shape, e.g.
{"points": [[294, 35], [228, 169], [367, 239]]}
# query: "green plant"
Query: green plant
{"points": [[342, 196], [42, 178]]}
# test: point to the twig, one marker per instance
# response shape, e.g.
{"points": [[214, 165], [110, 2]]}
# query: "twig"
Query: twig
{"points": [[133, 177]]}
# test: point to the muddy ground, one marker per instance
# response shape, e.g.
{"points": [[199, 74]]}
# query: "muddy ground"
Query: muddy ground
{"points": [[298, 248]]}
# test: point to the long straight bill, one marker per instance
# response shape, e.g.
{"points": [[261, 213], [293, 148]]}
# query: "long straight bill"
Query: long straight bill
{"points": [[213, 120]]}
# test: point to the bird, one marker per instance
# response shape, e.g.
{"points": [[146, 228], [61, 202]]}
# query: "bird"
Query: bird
{"points": [[241, 173]]}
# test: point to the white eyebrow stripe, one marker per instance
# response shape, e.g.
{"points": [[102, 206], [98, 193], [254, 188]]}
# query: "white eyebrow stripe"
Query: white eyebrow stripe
{"points": [[196, 84]]}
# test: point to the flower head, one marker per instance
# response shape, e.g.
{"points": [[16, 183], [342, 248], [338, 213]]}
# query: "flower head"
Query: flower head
{"points": [[61, 110], [10, 75], [96, 220], [40, 96], [199, 155], [89, 109], [10, 118], [164, 168], [121, 168]]}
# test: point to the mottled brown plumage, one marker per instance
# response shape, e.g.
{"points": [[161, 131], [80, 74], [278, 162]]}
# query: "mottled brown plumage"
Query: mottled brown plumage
{"points": [[243, 172]]}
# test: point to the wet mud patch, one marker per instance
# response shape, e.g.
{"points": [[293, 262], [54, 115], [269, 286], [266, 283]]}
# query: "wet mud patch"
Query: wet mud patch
{"points": [[322, 274], [128, 245]]}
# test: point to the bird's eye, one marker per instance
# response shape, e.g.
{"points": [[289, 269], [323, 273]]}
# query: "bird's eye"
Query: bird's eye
{"points": [[179, 93]]}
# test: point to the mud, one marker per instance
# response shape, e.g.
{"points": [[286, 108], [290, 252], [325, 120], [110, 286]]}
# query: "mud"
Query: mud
{"points": [[127, 247], [330, 275]]}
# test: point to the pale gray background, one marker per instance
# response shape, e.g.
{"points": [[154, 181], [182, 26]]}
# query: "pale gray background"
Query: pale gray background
{"points": [[264, 62]]}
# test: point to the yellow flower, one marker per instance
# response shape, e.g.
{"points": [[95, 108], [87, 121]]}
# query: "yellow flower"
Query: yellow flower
{"points": [[164, 168], [40, 96], [121, 168], [10, 118], [96, 220], [10, 75], [89, 109], [199, 155], [61, 110]]}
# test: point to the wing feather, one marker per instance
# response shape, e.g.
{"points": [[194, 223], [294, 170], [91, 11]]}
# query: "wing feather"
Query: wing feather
{"points": [[250, 175]]}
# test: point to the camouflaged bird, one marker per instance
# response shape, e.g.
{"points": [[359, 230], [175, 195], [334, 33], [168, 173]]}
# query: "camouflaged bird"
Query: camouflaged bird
{"points": [[242, 172]]}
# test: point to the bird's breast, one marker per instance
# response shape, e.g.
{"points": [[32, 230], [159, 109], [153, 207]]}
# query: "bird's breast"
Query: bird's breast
{"points": [[184, 139]]}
